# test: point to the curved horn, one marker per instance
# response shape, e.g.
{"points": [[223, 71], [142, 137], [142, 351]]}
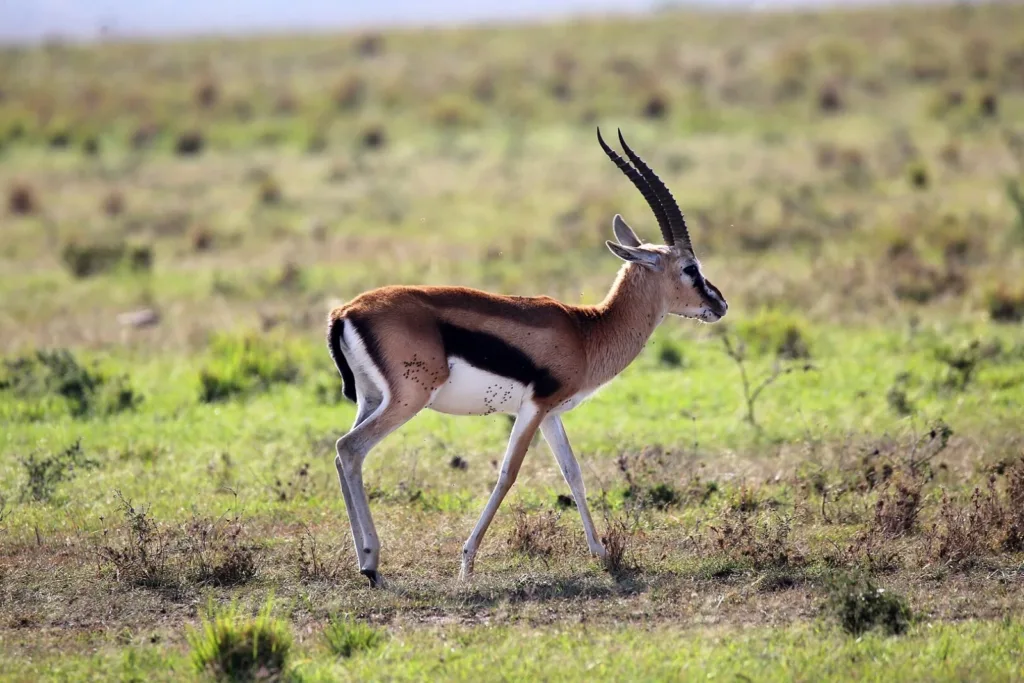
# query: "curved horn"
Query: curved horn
{"points": [[677, 224], [642, 185]]}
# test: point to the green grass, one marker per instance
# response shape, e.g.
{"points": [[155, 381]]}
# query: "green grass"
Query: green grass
{"points": [[970, 650]]}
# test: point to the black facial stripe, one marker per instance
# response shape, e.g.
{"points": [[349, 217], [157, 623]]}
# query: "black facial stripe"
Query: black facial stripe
{"points": [[705, 288], [492, 354], [717, 292]]}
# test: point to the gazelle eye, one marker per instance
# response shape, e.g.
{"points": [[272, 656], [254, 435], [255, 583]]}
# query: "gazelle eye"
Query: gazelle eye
{"points": [[690, 270]]}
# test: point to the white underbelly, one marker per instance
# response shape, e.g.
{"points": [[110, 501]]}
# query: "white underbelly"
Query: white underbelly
{"points": [[573, 401], [471, 391]]}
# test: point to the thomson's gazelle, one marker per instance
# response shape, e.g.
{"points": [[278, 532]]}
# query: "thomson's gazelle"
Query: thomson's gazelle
{"points": [[463, 351]]}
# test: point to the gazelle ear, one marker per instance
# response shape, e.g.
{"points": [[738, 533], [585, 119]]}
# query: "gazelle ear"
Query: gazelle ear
{"points": [[623, 233], [647, 259]]}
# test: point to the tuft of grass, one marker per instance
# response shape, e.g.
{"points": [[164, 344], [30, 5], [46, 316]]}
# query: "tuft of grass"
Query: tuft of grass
{"points": [[859, 606], [231, 646], [346, 637]]}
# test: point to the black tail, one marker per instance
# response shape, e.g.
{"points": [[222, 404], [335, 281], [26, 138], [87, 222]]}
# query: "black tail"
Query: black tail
{"points": [[334, 344]]}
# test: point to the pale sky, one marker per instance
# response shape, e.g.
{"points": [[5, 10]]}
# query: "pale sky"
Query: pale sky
{"points": [[22, 20]]}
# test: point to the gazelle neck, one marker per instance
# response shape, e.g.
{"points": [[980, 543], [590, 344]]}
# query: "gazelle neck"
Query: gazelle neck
{"points": [[617, 329]]}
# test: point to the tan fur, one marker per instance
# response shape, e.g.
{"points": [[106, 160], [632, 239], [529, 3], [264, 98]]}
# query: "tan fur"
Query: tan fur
{"points": [[582, 346]]}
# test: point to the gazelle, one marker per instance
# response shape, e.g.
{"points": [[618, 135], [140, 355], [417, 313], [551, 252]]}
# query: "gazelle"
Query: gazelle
{"points": [[463, 351]]}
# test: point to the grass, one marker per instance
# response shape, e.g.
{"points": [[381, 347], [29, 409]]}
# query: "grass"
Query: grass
{"points": [[172, 237]]}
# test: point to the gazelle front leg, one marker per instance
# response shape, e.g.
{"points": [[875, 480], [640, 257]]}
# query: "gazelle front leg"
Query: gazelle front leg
{"points": [[525, 427], [554, 434]]}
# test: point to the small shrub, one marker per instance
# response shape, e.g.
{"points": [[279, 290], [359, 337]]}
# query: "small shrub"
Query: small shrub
{"points": [[859, 606], [830, 100], [231, 646], [113, 204], [201, 238], [749, 539], [207, 93], [988, 105], [962, 362], [269, 191], [144, 557], [309, 561], [660, 496], [535, 535], [91, 146], [669, 355], [93, 258], [59, 139], [44, 472], [244, 365], [898, 506], [350, 92], [619, 560], [22, 200], [1006, 305], [656, 107], [917, 175], [189, 143], [346, 637], [200, 552], [373, 137], [216, 554]]}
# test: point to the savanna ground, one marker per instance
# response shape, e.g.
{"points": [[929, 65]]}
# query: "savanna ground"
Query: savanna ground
{"points": [[827, 484]]}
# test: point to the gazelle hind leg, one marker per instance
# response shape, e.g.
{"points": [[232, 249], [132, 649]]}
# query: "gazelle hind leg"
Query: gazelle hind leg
{"points": [[352, 448], [367, 404], [525, 427], [554, 434]]}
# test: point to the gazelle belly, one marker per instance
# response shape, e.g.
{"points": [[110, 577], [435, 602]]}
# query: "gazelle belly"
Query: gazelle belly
{"points": [[472, 391]]}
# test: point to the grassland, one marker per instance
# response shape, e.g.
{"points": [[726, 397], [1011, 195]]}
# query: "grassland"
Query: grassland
{"points": [[854, 183]]}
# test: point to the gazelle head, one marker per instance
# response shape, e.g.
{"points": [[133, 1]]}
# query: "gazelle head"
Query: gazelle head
{"points": [[686, 291]]}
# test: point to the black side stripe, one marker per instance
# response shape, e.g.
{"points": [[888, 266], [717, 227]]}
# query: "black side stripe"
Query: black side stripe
{"points": [[334, 344], [487, 352]]}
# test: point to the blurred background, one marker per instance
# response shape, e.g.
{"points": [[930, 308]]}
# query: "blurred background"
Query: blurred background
{"points": [[847, 164]]}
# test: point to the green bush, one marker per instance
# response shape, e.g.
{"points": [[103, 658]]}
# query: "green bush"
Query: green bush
{"points": [[95, 258], [785, 335], [244, 365], [346, 637], [54, 381], [860, 606], [233, 647]]}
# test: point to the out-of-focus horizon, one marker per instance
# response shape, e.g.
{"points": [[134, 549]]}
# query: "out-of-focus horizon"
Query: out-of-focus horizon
{"points": [[27, 21]]}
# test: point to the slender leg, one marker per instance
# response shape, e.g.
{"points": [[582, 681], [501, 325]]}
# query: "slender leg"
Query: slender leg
{"points": [[367, 405], [352, 451], [525, 427], [554, 434]]}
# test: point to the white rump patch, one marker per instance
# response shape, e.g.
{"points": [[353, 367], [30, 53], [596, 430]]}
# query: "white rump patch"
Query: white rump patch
{"points": [[363, 367], [472, 391]]}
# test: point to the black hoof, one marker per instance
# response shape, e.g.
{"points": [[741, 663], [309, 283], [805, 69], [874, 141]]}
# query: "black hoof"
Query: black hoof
{"points": [[373, 576]]}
